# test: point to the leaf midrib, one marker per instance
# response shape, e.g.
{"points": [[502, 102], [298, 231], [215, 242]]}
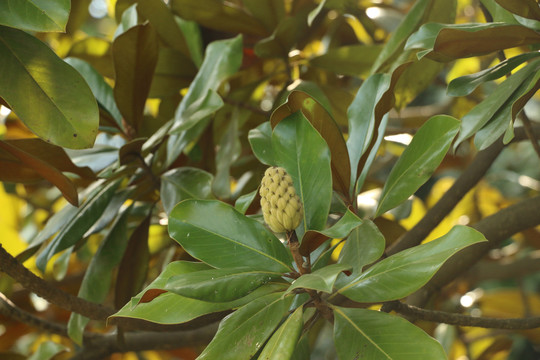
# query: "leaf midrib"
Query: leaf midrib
{"points": [[235, 242]]}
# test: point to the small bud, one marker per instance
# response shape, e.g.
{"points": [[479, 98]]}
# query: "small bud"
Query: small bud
{"points": [[281, 206]]}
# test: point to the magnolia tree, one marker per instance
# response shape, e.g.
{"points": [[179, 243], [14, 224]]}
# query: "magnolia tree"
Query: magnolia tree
{"points": [[269, 179]]}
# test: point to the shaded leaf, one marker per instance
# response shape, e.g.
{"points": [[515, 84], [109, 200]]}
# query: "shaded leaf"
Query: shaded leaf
{"points": [[320, 280], [241, 334], [99, 275], [354, 60], [73, 230], [48, 153], [135, 54], [482, 113], [503, 119], [362, 333], [51, 15], [222, 59], [419, 160], [443, 42], [134, 265], [288, 32], [217, 234], [464, 85], [219, 285], [525, 8], [162, 19], [184, 183], [269, 12], [313, 239], [64, 110], [174, 71], [219, 15], [323, 122], [283, 342], [405, 272], [95, 51], [301, 150], [44, 169]]}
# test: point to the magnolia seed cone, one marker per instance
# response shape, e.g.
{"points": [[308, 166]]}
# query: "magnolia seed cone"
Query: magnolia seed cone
{"points": [[281, 207]]}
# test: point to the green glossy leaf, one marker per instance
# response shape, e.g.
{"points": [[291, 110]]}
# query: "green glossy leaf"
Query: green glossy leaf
{"points": [[101, 90], [503, 120], [303, 152], [192, 34], [64, 110], [320, 280], [354, 60], [405, 272], [367, 122], [219, 15], [260, 140], [135, 54], [155, 305], [217, 234], [243, 203], [54, 224], [99, 275], [418, 161], [219, 285], [443, 42], [282, 344], [184, 183], [313, 239], [241, 334], [368, 334], [222, 59], [394, 45], [525, 8], [465, 85], [72, 231], [35, 15], [482, 113], [228, 151], [364, 245], [319, 116]]}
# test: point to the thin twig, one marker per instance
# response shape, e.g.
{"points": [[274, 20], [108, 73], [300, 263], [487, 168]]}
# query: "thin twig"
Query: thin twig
{"points": [[496, 228], [467, 180], [10, 310], [107, 345], [461, 319], [529, 131], [40, 287]]}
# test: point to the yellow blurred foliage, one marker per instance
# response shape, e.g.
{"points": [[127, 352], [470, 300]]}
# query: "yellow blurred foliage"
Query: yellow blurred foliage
{"points": [[481, 201], [463, 67], [509, 303], [10, 221]]}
